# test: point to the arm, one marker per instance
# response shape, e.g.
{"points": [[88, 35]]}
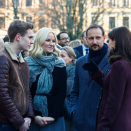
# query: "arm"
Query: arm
{"points": [[70, 79], [118, 78], [98, 76], [30, 113], [6, 104], [61, 94], [75, 91]]}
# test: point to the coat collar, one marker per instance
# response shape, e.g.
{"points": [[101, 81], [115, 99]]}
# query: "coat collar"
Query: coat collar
{"points": [[12, 53], [103, 62]]}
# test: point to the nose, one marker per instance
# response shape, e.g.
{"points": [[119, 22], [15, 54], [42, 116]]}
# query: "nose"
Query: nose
{"points": [[94, 41], [32, 42], [51, 43]]}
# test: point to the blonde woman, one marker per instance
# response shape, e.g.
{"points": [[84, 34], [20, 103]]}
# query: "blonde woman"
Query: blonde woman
{"points": [[47, 82], [75, 43], [68, 55]]}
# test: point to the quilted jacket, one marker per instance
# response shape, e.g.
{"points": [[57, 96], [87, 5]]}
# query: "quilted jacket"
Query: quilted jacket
{"points": [[15, 98]]}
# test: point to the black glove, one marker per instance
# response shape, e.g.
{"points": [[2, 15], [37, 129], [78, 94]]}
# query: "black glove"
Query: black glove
{"points": [[90, 66]]}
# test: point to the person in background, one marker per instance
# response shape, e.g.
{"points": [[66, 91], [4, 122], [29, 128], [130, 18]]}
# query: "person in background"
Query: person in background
{"points": [[16, 110], [75, 43], [1, 44], [83, 49], [114, 110], [47, 82], [86, 93], [68, 55], [6, 39]]}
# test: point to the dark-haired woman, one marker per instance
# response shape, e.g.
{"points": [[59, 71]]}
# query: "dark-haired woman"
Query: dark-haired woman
{"points": [[114, 112]]}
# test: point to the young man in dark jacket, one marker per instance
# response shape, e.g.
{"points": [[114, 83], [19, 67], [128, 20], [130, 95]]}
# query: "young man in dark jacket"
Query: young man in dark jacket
{"points": [[16, 111]]}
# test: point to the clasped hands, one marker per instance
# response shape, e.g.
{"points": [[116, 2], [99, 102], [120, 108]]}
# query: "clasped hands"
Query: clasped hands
{"points": [[42, 121], [26, 125]]}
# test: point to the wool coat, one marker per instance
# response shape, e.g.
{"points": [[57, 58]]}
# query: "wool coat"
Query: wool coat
{"points": [[86, 94], [114, 112]]}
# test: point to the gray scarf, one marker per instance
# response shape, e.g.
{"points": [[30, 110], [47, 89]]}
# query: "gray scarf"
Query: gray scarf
{"points": [[44, 66]]}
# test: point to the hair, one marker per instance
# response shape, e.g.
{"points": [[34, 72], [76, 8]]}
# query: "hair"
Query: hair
{"points": [[58, 36], [82, 34], [95, 26], [122, 37], [40, 38], [6, 38], [70, 53], [18, 26], [75, 43]]}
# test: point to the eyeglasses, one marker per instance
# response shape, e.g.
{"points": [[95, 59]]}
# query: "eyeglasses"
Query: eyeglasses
{"points": [[65, 38]]}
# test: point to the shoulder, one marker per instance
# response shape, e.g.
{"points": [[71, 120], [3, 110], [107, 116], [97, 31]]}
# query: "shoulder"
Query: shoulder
{"points": [[121, 64], [77, 47]]}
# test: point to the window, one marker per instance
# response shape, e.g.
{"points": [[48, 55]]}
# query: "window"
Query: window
{"points": [[29, 19], [125, 3], [94, 21], [111, 22], [54, 25], [111, 3], [126, 21], [2, 22], [43, 23], [28, 2], [2, 3], [95, 2], [16, 3]]}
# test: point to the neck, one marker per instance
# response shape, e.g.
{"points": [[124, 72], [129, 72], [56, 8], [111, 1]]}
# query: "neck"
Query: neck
{"points": [[15, 48]]}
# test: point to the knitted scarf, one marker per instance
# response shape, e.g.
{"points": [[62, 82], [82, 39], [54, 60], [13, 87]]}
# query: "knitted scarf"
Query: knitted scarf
{"points": [[97, 56], [44, 66]]}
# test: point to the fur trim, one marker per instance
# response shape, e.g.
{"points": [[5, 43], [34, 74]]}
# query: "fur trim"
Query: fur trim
{"points": [[12, 53]]}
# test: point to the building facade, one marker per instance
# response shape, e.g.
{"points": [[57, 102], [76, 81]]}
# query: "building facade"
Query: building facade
{"points": [[108, 13]]}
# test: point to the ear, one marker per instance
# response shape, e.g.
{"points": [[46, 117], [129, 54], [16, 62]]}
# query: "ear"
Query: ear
{"points": [[18, 37], [71, 58], [58, 41], [104, 37]]}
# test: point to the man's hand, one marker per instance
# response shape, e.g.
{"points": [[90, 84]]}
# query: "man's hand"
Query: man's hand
{"points": [[42, 121], [24, 127], [28, 120]]}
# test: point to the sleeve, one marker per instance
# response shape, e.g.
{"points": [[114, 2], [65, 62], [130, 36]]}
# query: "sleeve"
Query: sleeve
{"points": [[75, 91], [60, 97], [118, 78], [98, 77], [70, 81], [6, 104], [30, 112]]}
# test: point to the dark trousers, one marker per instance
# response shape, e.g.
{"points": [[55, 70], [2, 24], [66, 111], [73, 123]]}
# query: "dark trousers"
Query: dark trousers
{"points": [[7, 127]]}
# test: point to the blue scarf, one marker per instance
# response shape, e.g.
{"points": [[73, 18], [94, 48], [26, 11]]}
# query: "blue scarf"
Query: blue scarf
{"points": [[44, 66]]}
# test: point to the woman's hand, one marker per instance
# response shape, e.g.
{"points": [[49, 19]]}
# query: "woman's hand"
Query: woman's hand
{"points": [[42, 121]]}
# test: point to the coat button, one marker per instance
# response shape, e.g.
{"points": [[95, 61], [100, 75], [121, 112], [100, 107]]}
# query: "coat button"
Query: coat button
{"points": [[97, 107], [100, 97]]}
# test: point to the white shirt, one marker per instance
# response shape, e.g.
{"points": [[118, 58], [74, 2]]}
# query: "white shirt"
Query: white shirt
{"points": [[84, 49]]}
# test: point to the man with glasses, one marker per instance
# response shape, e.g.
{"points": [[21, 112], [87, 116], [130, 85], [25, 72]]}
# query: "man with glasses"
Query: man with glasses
{"points": [[63, 40], [83, 49]]}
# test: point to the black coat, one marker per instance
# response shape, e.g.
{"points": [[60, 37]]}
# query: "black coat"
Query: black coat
{"points": [[56, 96]]}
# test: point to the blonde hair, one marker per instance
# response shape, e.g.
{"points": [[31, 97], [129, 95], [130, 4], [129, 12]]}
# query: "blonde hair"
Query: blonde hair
{"points": [[70, 52], [75, 43], [40, 38]]}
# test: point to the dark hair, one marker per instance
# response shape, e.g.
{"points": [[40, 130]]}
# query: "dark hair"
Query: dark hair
{"points": [[82, 34], [122, 37], [18, 26], [6, 38], [95, 26], [58, 36]]}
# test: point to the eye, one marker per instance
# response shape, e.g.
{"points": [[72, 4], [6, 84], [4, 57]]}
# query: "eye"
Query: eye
{"points": [[91, 38], [47, 39], [98, 38], [53, 41]]}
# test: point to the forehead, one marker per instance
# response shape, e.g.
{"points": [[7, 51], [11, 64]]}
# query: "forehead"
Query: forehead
{"points": [[29, 32], [63, 35], [50, 34], [94, 32]]}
